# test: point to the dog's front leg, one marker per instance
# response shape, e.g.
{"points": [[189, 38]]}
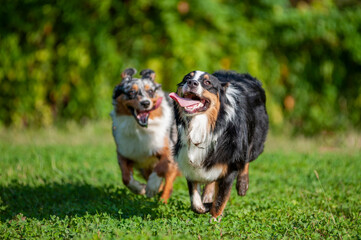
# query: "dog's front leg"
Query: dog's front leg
{"points": [[166, 168], [127, 176], [153, 184], [169, 176], [155, 179], [223, 191], [242, 180], [208, 194], [196, 200]]}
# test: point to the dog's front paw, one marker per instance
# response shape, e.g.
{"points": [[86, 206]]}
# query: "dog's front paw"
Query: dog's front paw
{"points": [[149, 192], [153, 184], [138, 188], [135, 186], [198, 209], [201, 209]]}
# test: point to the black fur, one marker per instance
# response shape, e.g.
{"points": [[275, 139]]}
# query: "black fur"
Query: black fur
{"points": [[242, 139], [129, 72], [146, 73], [236, 137], [118, 90]]}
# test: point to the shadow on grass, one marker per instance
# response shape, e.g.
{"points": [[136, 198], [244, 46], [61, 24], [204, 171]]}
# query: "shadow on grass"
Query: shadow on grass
{"points": [[72, 200]]}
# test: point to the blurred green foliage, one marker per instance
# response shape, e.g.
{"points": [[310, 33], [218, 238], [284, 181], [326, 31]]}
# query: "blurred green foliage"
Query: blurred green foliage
{"points": [[61, 59]]}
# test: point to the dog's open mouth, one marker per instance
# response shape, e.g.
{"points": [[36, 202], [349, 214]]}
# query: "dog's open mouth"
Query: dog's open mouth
{"points": [[191, 102], [140, 116]]}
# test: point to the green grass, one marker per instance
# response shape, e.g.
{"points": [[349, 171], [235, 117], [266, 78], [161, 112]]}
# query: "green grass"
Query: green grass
{"points": [[68, 185]]}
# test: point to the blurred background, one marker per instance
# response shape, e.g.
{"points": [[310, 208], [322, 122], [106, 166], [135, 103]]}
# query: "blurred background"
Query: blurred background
{"points": [[59, 60]]}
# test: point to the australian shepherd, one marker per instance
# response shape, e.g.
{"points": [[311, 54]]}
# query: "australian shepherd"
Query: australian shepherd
{"points": [[144, 133], [222, 126]]}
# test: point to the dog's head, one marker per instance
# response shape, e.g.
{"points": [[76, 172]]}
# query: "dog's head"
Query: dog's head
{"points": [[137, 96], [198, 93]]}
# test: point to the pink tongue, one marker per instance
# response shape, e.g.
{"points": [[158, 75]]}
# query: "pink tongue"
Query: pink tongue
{"points": [[158, 103], [143, 116], [184, 102]]}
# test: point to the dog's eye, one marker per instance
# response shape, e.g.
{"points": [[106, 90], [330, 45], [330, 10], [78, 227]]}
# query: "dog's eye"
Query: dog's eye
{"points": [[150, 92], [132, 92], [207, 82]]}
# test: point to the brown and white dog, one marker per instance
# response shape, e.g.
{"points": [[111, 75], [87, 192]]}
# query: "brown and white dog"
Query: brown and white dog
{"points": [[143, 123], [222, 126]]}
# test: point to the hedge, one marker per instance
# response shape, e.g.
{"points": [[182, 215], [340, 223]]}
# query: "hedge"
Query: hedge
{"points": [[60, 60]]}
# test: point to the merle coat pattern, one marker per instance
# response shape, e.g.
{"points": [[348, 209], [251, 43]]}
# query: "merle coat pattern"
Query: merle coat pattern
{"points": [[143, 127]]}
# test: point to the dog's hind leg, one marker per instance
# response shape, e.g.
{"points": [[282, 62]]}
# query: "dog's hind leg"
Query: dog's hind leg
{"points": [[242, 180], [127, 176], [223, 191]]}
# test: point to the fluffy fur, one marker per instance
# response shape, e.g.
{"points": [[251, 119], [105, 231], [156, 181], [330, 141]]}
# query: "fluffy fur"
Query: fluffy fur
{"points": [[143, 130], [222, 126]]}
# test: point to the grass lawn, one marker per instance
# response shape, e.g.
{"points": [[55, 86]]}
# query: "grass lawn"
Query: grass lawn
{"points": [[66, 184]]}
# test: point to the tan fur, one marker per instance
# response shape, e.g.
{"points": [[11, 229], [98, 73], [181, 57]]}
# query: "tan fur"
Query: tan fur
{"points": [[157, 112], [224, 168], [208, 193], [126, 168], [123, 103], [213, 110], [167, 169], [135, 87], [245, 170], [217, 211], [121, 107], [140, 154]]}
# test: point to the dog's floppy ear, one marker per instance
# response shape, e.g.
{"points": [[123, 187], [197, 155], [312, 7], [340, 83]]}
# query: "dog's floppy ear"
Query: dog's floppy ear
{"points": [[128, 73], [148, 73]]}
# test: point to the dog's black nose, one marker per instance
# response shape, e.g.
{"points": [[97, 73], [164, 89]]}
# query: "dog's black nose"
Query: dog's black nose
{"points": [[192, 83], [145, 103]]}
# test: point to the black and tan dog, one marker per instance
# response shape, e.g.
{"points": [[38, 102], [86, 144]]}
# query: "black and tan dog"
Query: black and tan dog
{"points": [[143, 123], [222, 126]]}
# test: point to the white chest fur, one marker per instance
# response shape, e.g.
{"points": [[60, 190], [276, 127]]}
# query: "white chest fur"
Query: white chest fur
{"points": [[195, 148], [138, 143]]}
